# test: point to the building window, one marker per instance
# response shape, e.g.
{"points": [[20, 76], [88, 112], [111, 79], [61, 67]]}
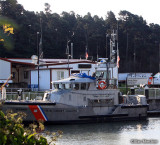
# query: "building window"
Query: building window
{"points": [[60, 75], [25, 74], [84, 66], [75, 71]]}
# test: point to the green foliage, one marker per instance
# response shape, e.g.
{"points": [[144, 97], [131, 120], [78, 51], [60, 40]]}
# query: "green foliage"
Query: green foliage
{"points": [[8, 43], [12, 131], [125, 90], [138, 41]]}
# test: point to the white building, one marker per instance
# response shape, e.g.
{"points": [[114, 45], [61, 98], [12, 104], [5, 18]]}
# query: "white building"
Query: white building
{"points": [[134, 79], [20, 70], [56, 69], [25, 72]]}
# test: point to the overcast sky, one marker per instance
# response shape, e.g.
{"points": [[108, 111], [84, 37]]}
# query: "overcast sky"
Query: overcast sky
{"points": [[148, 9]]}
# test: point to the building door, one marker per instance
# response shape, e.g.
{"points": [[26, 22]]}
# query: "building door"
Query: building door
{"points": [[44, 79]]}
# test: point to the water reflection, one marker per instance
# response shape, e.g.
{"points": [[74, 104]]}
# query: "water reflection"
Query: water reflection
{"points": [[113, 133]]}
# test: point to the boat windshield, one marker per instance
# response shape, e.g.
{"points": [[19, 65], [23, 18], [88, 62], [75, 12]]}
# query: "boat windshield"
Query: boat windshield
{"points": [[83, 86], [102, 74], [74, 86], [56, 86], [62, 86], [156, 75]]}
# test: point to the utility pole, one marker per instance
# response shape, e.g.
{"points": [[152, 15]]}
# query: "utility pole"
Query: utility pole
{"points": [[97, 51], [71, 50], [106, 44], [40, 43], [134, 61], [29, 36], [159, 57], [38, 58], [127, 53], [67, 51]]}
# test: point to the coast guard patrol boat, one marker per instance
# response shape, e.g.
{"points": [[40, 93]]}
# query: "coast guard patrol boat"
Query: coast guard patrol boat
{"points": [[82, 98]]}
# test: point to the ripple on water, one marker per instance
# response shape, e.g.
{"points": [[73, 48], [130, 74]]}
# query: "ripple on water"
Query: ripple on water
{"points": [[115, 133]]}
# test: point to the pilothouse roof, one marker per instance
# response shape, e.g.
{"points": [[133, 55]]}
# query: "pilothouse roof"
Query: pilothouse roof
{"points": [[76, 78]]}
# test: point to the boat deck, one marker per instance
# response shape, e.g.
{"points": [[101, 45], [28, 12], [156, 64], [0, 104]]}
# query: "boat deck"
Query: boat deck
{"points": [[29, 102]]}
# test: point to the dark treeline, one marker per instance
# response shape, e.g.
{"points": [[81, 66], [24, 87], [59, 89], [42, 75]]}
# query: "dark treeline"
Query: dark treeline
{"points": [[138, 41]]}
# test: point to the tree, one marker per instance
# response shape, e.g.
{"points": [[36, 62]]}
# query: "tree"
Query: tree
{"points": [[5, 35], [12, 131], [137, 40], [47, 8]]}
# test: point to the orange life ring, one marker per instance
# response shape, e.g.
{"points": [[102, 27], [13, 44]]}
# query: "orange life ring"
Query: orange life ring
{"points": [[102, 85], [150, 80]]}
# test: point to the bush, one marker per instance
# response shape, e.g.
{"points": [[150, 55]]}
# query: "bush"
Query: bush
{"points": [[12, 131]]}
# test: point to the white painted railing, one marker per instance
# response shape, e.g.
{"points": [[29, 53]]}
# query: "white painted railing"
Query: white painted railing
{"points": [[25, 96]]}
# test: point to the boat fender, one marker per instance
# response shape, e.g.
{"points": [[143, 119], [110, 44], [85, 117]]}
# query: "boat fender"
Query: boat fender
{"points": [[102, 85]]}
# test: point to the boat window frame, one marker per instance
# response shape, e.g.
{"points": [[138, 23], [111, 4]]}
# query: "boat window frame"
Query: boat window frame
{"points": [[63, 86], [56, 86], [81, 85], [88, 86], [104, 72], [156, 75], [74, 86], [70, 86]]}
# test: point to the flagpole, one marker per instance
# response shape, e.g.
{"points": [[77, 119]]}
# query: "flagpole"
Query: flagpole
{"points": [[86, 55], [40, 43], [118, 59], [38, 59], [86, 35]]}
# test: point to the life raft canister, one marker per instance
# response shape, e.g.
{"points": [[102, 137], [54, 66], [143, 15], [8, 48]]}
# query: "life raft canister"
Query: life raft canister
{"points": [[102, 85], [150, 80]]}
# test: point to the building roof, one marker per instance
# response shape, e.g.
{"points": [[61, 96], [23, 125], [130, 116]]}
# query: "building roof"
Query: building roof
{"points": [[18, 61], [46, 61]]}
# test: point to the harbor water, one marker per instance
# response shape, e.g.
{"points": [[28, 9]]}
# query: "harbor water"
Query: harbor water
{"points": [[111, 133]]}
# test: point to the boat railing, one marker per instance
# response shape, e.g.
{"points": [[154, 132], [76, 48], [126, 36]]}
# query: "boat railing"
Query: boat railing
{"points": [[15, 89], [24, 96], [150, 93], [153, 93]]}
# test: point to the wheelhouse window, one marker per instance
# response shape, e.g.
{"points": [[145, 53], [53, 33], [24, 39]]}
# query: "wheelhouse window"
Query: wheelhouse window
{"points": [[88, 85], [103, 74], [83, 86], [76, 86], [67, 86], [63, 86], [56, 86], [156, 76]]}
